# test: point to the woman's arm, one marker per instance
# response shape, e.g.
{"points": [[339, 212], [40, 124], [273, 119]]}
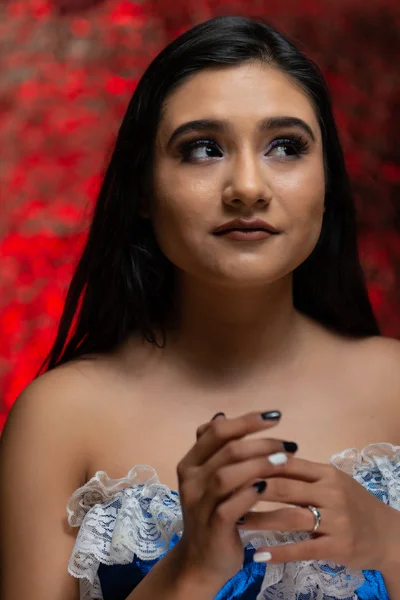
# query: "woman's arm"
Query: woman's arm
{"points": [[168, 580], [41, 463], [390, 568], [388, 351]]}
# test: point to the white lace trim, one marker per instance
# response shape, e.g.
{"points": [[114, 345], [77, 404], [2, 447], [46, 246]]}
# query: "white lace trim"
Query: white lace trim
{"points": [[120, 518], [137, 515], [376, 467]]}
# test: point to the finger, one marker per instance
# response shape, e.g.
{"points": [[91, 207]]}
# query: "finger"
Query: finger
{"points": [[284, 519], [314, 549], [220, 484], [221, 431], [232, 508], [205, 426], [306, 470], [229, 479], [237, 451], [292, 491]]}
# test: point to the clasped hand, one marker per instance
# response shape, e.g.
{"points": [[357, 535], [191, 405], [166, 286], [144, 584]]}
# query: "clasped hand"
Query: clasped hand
{"points": [[219, 482]]}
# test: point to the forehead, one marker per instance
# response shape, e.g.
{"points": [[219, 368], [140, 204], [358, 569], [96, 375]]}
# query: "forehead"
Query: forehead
{"points": [[250, 91]]}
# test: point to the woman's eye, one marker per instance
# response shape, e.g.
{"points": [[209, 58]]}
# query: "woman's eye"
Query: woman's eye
{"points": [[287, 147], [199, 150]]}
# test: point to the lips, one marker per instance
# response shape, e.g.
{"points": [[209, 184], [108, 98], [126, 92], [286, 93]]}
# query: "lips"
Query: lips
{"points": [[245, 225], [242, 229]]}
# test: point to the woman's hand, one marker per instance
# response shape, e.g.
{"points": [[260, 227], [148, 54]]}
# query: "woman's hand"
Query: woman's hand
{"points": [[217, 485], [355, 525]]}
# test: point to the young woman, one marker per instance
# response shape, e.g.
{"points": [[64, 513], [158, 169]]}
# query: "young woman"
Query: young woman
{"points": [[220, 275]]}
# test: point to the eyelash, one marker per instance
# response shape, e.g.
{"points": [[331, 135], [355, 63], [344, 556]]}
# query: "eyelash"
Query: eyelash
{"points": [[296, 141]]}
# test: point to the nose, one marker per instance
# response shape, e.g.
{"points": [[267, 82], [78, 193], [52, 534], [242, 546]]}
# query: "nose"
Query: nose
{"points": [[247, 183]]}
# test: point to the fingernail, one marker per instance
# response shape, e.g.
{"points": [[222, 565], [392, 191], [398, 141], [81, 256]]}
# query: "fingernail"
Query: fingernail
{"points": [[220, 414], [262, 556], [290, 447], [260, 486], [240, 521], [279, 458], [271, 415]]}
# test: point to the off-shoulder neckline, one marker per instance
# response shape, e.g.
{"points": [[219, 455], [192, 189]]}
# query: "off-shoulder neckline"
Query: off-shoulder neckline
{"points": [[137, 515], [353, 456]]}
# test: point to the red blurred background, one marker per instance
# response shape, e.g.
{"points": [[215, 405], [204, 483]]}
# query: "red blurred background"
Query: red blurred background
{"points": [[68, 69]]}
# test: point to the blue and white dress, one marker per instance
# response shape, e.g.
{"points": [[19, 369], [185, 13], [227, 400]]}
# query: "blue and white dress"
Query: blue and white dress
{"points": [[128, 524]]}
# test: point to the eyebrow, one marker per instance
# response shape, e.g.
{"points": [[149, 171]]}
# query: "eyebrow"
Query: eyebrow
{"points": [[223, 126]]}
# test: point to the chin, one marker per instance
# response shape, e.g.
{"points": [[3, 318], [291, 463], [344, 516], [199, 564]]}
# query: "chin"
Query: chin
{"points": [[247, 280], [238, 274]]}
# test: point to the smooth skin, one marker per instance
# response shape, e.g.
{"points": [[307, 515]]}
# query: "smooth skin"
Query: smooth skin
{"points": [[235, 344]]}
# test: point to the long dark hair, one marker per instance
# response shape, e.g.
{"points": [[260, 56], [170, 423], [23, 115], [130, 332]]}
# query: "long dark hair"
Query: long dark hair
{"points": [[123, 282]]}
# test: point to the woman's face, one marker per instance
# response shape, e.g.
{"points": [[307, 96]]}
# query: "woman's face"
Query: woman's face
{"points": [[208, 174]]}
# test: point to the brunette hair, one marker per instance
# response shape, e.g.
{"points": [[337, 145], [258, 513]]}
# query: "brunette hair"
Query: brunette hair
{"points": [[123, 282]]}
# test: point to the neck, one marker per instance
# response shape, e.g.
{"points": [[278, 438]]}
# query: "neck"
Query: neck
{"points": [[216, 332]]}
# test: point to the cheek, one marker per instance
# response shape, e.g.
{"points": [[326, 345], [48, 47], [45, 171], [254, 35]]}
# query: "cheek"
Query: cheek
{"points": [[181, 214], [304, 208], [309, 223], [312, 212], [305, 198]]}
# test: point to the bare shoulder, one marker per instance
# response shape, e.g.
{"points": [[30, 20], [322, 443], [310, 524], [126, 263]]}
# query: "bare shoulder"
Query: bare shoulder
{"points": [[372, 366], [44, 452], [56, 403], [379, 357], [367, 370], [385, 349]]}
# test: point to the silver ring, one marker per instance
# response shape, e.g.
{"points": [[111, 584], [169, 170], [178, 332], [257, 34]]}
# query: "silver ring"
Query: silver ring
{"points": [[317, 517]]}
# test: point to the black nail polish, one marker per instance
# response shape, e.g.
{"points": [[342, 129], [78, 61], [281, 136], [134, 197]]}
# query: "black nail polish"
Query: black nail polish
{"points": [[220, 414], [240, 521], [260, 486], [271, 415], [290, 447]]}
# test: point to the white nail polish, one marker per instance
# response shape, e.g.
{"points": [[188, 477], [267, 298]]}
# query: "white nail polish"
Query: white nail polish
{"points": [[262, 556], [279, 458]]}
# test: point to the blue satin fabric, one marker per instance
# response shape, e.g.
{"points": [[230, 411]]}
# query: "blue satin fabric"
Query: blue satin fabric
{"points": [[118, 581], [373, 588]]}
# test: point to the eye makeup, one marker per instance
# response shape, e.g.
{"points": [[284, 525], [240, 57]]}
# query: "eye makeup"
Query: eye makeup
{"points": [[295, 142]]}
